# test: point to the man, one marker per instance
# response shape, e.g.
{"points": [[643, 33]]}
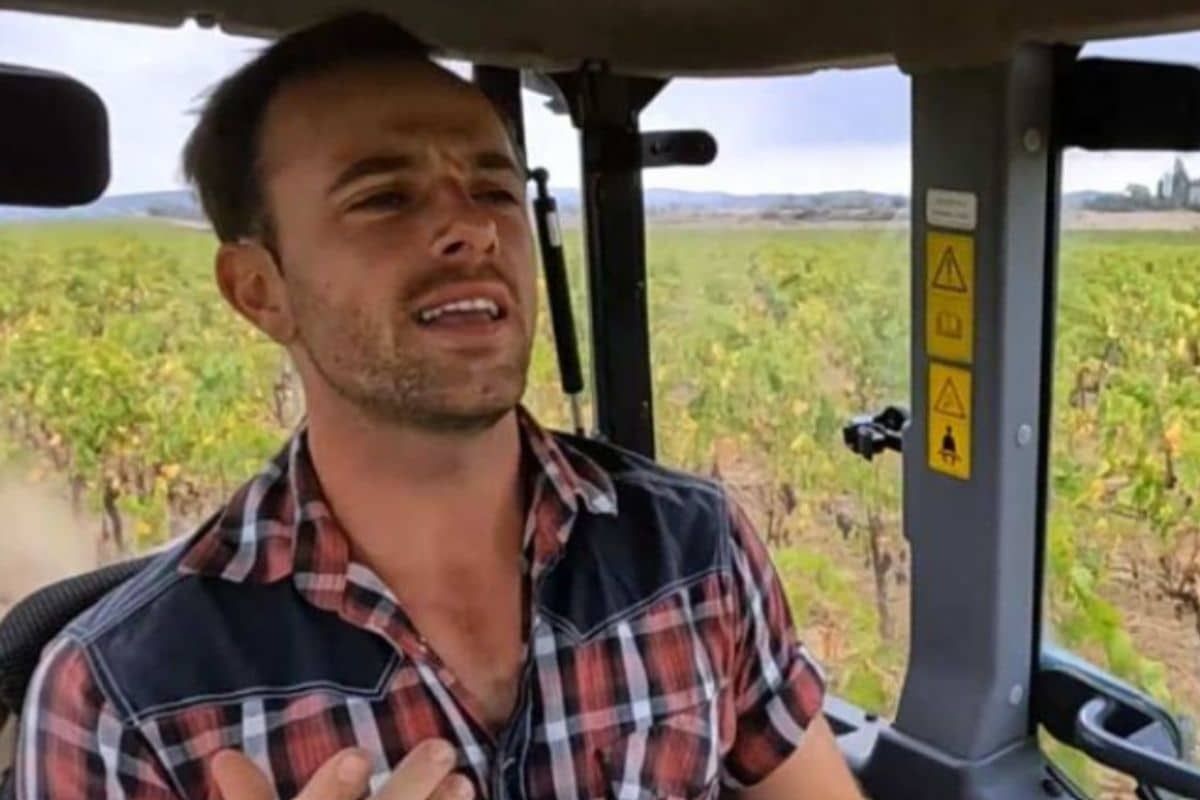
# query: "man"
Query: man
{"points": [[425, 594]]}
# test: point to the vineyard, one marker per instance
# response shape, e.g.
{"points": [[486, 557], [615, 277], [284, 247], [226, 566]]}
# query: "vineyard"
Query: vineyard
{"points": [[127, 385]]}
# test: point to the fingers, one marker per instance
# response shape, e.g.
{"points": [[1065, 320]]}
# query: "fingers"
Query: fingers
{"points": [[454, 787], [422, 773], [237, 778], [343, 777]]}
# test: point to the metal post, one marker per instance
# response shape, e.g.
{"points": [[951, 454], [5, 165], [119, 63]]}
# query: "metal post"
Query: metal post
{"points": [[503, 87], [605, 108], [983, 173], [1063, 57]]}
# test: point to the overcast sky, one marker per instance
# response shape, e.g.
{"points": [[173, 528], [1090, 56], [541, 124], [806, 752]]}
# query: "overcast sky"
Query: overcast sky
{"points": [[832, 130]]}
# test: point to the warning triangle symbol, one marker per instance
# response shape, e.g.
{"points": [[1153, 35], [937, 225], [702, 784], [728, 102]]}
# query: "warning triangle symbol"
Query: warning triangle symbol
{"points": [[949, 402], [949, 276]]}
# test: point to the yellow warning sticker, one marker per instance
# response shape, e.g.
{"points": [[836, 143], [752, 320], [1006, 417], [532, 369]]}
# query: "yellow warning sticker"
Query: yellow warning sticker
{"points": [[950, 296], [950, 420]]}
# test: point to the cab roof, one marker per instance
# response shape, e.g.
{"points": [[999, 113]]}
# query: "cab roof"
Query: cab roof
{"points": [[690, 37]]}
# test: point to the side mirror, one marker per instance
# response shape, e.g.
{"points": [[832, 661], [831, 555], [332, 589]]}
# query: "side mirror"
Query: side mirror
{"points": [[53, 142]]}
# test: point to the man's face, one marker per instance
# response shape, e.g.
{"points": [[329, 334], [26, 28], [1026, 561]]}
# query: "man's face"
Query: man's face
{"points": [[398, 206]]}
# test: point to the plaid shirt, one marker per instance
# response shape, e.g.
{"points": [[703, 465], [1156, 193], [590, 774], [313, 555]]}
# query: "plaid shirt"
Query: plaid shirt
{"points": [[694, 680]]}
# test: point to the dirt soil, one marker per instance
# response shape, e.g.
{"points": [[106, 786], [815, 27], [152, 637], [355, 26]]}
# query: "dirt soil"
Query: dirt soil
{"points": [[1162, 634], [1132, 221], [44, 539]]}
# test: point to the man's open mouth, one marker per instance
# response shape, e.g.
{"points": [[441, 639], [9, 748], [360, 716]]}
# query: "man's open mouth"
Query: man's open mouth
{"points": [[465, 310]]}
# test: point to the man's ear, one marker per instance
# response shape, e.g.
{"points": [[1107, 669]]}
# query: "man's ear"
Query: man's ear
{"points": [[251, 282]]}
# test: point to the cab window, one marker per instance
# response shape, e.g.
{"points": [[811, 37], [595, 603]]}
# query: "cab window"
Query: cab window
{"points": [[1123, 550]]}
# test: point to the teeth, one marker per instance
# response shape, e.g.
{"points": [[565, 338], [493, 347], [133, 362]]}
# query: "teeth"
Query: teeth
{"points": [[461, 307]]}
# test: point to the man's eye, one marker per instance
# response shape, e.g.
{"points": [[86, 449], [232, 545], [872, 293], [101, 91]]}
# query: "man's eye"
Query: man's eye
{"points": [[497, 196], [381, 201]]}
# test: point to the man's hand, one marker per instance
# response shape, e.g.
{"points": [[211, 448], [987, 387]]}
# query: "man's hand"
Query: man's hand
{"points": [[424, 774]]}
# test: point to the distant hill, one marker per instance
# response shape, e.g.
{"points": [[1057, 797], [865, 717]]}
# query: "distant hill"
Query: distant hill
{"points": [[182, 204], [174, 204], [1098, 201], [678, 201]]}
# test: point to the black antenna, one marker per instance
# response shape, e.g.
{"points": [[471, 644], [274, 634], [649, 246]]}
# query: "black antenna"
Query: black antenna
{"points": [[545, 212]]}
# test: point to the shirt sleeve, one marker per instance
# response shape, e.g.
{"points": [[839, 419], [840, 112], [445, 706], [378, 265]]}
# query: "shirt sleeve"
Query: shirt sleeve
{"points": [[777, 687], [72, 742]]}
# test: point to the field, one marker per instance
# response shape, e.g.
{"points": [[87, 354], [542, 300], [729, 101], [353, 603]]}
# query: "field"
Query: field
{"points": [[132, 401]]}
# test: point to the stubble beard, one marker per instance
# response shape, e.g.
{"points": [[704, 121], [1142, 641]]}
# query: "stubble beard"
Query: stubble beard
{"points": [[393, 380]]}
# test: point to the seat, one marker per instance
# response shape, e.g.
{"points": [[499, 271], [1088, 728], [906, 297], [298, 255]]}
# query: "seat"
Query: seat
{"points": [[25, 631]]}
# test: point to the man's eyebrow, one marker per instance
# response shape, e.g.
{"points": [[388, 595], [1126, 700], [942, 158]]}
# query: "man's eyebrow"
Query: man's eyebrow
{"points": [[490, 160], [498, 160], [371, 165]]}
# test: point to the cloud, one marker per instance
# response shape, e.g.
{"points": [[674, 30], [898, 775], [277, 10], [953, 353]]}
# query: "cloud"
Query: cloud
{"points": [[801, 170], [150, 78], [1179, 48], [842, 107]]}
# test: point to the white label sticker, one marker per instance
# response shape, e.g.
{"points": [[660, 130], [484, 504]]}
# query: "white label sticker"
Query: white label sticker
{"points": [[948, 209]]}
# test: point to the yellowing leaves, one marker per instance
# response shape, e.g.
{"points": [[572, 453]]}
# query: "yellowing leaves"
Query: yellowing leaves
{"points": [[1173, 438], [117, 356], [765, 343]]}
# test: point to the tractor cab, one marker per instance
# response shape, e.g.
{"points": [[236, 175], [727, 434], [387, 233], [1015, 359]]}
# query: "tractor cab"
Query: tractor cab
{"points": [[999, 91]]}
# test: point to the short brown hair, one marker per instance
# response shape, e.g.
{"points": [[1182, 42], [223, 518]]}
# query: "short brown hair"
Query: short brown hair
{"points": [[221, 156]]}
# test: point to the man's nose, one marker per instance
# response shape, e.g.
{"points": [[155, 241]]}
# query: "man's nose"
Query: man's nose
{"points": [[467, 239], [469, 233]]}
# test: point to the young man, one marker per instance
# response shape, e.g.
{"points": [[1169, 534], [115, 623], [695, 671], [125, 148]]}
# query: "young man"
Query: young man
{"points": [[424, 594]]}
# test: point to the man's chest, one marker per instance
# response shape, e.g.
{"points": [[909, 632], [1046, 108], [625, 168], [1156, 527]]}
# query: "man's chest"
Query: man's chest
{"points": [[636, 708], [472, 634]]}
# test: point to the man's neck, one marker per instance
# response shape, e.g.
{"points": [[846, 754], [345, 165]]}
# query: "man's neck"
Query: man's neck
{"points": [[414, 502]]}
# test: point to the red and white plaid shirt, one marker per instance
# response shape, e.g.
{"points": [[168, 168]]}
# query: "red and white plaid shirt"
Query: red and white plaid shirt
{"points": [[661, 660]]}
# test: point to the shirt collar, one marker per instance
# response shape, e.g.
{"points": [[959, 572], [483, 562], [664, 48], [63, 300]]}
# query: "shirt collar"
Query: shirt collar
{"points": [[279, 523], [573, 475]]}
